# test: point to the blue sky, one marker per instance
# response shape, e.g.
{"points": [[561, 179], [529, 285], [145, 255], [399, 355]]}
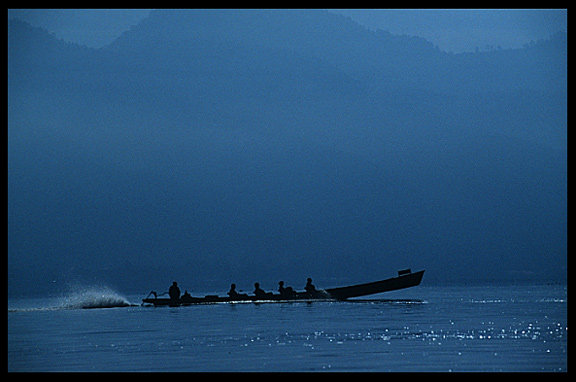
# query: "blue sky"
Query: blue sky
{"points": [[451, 29]]}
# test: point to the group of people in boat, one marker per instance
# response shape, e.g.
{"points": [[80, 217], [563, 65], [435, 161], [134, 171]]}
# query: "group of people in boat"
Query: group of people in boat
{"points": [[285, 292]]}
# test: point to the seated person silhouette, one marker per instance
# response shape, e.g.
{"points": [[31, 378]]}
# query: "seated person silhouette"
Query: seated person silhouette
{"points": [[310, 288], [287, 292], [259, 293], [174, 291], [235, 295], [232, 292]]}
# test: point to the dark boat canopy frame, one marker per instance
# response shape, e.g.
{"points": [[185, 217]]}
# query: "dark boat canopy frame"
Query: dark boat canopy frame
{"points": [[405, 279]]}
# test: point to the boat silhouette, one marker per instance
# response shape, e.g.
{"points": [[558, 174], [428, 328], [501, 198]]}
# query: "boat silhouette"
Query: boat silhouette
{"points": [[405, 279]]}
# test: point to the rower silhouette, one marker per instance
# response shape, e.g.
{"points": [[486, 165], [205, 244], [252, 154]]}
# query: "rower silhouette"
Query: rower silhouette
{"points": [[310, 288], [234, 295], [174, 291], [232, 292], [259, 293], [287, 292]]}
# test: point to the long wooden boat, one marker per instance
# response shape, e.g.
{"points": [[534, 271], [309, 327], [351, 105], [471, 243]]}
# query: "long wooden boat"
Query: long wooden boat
{"points": [[405, 279]]}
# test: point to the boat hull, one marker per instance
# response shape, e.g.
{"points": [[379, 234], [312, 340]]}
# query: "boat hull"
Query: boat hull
{"points": [[401, 282], [333, 294]]}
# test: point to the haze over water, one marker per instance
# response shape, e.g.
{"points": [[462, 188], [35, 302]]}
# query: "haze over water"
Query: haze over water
{"points": [[258, 145]]}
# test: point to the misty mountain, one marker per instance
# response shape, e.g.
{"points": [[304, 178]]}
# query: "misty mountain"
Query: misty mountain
{"points": [[241, 145]]}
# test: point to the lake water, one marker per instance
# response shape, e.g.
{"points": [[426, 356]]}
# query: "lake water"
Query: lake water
{"points": [[478, 328]]}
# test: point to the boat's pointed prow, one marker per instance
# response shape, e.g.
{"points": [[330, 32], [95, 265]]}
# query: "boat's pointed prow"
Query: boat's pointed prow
{"points": [[405, 279]]}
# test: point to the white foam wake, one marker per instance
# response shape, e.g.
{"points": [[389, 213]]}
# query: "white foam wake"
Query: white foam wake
{"points": [[78, 298], [94, 297]]}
